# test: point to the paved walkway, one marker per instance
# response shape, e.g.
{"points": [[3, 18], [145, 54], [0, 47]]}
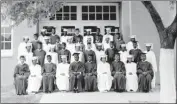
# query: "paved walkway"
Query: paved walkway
{"points": [[98, 97]]}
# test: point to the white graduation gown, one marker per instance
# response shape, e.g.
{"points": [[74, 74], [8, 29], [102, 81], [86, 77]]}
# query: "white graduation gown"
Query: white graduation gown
{"points": [[129, 46], [46, 47], [28, 56], [150, 57], [81, 57], [123, 56], [70, 47], [98, 55], [22, 49], [54, 56], [104, 80], [62, 81], [34, 83], [132, 80], [64, 39]]}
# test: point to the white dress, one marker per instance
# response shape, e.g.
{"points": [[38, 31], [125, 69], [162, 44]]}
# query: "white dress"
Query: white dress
{"points": [[54, 56], [130, 46], [104, 80], [98, 55], [131, 80], [22, 49], [150, 57], [123, 56], [62, 81], [34, 83]]}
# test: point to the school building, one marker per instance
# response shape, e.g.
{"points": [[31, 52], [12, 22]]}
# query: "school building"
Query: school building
{"points": [[131, 17]]}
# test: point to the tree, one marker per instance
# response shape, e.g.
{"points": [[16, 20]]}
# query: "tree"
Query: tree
{"points": [[167, 42], [33, 11]]}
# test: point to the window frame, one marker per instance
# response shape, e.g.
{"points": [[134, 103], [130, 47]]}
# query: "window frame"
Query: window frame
{"points": [[8, 52]]}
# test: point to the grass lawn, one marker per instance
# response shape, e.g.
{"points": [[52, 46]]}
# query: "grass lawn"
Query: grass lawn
{"points": [[8, 96]]}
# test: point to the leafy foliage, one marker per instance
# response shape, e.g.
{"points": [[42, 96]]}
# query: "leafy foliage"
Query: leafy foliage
{"points": [[33, 11]]}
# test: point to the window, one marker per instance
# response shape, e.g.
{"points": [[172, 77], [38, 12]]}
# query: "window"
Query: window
{"points": [[6, 41], [98, 12], [70, 32], [65, 13]]}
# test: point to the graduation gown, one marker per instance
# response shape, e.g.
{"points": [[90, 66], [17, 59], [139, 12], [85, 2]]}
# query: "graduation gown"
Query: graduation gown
{"points": [[64, 52], [144, 80], [81, 57], [117, 44], [21, 75], [58, 47], [53, 38], [75, 38], [100, 38], [35, 78], [119, 80], [90, 52], [123, 56], [136, 54], [104, 80], [90, 76], [110, 52], [131, 79], [76, 71], [22, 49], [62, 81], [98, 55], [129, 45], [48, 73], [64, 39], [54, 56], [46, 47], [41, 56], [34, 45], [70, 47], [150, 57], [28, 56]]}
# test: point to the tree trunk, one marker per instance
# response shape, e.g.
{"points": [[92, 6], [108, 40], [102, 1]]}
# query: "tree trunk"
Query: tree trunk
{"points": [[167, 78]]}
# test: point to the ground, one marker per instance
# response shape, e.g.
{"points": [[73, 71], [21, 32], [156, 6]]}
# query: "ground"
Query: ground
{"points": [[8, 96]]}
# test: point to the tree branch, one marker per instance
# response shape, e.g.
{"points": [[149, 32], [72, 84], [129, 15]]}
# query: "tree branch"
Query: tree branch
{"points": [[154, 15], [172, 28]]}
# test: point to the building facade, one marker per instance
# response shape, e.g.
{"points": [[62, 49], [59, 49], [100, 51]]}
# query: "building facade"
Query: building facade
{"points": [[131, 17]]}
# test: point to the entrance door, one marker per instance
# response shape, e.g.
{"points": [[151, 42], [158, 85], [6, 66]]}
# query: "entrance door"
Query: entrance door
{"points": [[83, 15]]}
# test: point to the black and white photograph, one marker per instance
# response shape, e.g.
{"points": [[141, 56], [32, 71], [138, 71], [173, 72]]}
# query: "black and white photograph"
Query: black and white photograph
{"points": [[88, 51]]}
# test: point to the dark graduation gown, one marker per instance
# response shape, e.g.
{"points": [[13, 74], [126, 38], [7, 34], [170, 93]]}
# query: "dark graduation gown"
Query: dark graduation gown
{"points": [[35, 45], [117, 44], [98, 38], [76, 72], [58, 47], [48, 73], [21, 75], [110, 52], [75, 38], [144, 80], [87, 53], [41, 56], [90, 80], [64, 52], [137, 54], [53, 39], [119, 81]]}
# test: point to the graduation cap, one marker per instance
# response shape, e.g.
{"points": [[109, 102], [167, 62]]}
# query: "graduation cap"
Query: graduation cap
{"points": [[46, 37], [103, 56], [99, 44], [123, 45], [43, 30], [52, 46], [129, 56], [34, 58], [65, 29], [149, 45], [76, 54], [133, 36], [88, 30], [28, 44], [63, 56], [108, 28], [77, 44]]}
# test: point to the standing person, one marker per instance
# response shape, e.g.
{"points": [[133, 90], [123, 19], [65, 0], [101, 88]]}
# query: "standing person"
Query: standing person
{"points": [[110, 52], [88, 52], [108, 35], [22, 46], [104, 77], [41, 37], [76, 71], [53, 54], [118, 72], [64, 36], [58, 45], [131, 74], [123, 53], [35, 42], [150, 57], [29, 54], [46, 45], [99, 52], [130, 43], [145, 74], [77, 34], [48, 75], [35, 78], [90, 74], [40, 53], [53, 36], [62, 74], [64, 51], [81, 54], [136, 52], [98, 37], [118, 41], [21, 74]]}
